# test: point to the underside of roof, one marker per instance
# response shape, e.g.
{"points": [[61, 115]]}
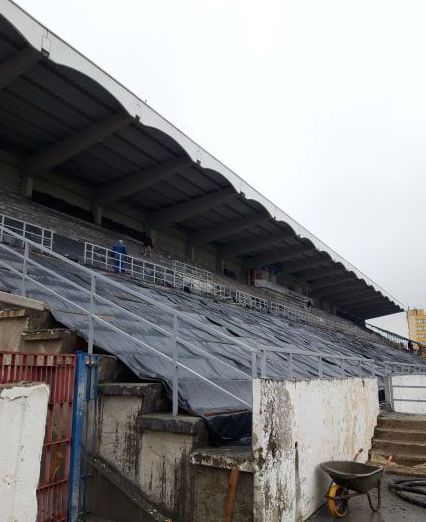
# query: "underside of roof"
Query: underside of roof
{"points": [[63, 115]]}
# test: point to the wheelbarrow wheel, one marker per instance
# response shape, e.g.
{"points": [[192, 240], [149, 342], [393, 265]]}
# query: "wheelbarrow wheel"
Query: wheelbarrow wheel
{"points": [[338, 507]]}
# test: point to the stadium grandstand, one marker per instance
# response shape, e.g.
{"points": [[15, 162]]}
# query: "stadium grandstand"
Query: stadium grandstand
{"points": [[234, 288]]}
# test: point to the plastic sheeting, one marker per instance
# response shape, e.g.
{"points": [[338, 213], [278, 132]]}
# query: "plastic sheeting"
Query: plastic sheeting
{"points": [[221, 361]]}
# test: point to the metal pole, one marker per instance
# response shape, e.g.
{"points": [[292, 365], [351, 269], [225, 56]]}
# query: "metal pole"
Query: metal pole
{"points": [[254, 365], [290, 365], [263, 365], [91, 334], [24, 230], [2, 228], [25, 269], [175, 393], [42, 239], [359, 368], [320, 372]]}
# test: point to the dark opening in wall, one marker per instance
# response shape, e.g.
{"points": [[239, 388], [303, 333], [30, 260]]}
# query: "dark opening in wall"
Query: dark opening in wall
{"points": [[85, 215]]}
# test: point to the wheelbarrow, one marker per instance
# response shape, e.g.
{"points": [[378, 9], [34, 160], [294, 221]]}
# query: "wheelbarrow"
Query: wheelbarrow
{"points": [[352, 479]]}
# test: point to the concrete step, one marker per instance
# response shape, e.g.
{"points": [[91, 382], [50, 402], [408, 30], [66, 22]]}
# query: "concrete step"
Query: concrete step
{"points": [[400, 435], [416, 449], [402, 422], [417, 469], [52, 340], [378, 455]]}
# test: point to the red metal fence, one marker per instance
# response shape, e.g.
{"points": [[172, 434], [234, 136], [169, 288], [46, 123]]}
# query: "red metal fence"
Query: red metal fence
{"points": [[58, 372]]}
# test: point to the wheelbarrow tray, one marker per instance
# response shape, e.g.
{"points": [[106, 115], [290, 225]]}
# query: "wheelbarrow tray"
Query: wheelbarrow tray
{"points": [[353, 475]]}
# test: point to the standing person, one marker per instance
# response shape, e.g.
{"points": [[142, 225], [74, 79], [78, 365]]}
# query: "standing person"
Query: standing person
{"points": [[147, 245], [120, 251]]}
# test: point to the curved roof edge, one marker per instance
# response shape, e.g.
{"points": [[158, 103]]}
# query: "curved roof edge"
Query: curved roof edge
{"points": [[47, 42]]}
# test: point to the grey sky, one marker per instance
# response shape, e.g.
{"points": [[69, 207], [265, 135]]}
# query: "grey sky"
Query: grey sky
{"points": [[320, 105]]}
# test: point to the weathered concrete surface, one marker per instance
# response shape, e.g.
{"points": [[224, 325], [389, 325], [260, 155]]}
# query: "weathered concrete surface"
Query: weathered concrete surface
{"points": [[119, 438], [23, 410], [51, 340], [18, 301], [404, 437], [210, 487], [413, 389], [393, 509], [297, 425], [113, 497], [182, 424], [14, 322], [231, 457]]}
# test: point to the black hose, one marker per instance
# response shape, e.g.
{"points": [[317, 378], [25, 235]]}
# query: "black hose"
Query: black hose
{"points": [[411, 490]]}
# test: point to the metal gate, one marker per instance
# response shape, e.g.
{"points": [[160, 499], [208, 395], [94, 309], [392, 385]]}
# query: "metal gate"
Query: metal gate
{"points": [[58, 371]]}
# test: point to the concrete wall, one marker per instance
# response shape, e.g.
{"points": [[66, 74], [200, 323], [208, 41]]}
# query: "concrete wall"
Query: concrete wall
{"points": [[23, 410], [297, 425], [411, 396]]}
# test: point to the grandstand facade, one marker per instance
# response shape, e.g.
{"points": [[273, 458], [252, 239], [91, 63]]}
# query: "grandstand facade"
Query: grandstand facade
{"points": [[76, 141]]}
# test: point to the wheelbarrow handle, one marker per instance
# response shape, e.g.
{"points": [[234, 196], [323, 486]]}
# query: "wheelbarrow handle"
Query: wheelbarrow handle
{"points": [[357, 454]]}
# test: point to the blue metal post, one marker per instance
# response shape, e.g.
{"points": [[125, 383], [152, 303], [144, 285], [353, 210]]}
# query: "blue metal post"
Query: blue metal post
{"points": [[76, 440]]}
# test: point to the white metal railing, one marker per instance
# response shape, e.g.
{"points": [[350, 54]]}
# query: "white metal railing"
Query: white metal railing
{"points": [[154, 273], [192, 271], [42, 236], [349, 365]]}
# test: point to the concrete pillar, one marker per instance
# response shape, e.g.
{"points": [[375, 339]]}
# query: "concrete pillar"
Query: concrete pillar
{"points": [[97, 214], [27, 187]]}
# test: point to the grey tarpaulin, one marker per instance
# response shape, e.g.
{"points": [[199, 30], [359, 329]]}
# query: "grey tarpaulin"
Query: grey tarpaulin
{"points": [[221, 361]]}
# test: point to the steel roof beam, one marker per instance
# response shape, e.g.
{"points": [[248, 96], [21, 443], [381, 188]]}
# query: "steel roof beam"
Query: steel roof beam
{"points": [[18, 64], [312, 275], [226, 229], [59, 153], [335, 281], [255, 243], [280, 255], [299, 266], [187, 209], [369, 307], [375, 312], [357, 298], [328, 293], [133, 183]]}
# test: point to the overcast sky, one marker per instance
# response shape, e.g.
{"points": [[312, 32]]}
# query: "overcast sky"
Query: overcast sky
{"points": [[319, 104]]}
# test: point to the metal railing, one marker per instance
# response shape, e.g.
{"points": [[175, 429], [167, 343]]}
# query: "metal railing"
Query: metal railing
{"points": [[254, 361], [40, 235], [397, 339], [192, 271]]}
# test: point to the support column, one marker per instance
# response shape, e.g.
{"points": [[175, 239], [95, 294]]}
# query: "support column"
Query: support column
{"points": [[97, 214], [28, 187]]}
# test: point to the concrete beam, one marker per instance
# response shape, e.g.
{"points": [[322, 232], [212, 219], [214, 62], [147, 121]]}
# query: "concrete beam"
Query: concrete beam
{"points": [[134, 183], [227, 229], [255, 243], [280, 255], [18, 64], [192, 207], [299, 266], [313, 275], [58, 153], [374, 312]]}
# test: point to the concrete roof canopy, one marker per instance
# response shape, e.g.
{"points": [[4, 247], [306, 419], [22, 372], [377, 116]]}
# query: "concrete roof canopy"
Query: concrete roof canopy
{"points": [[66, 117]]}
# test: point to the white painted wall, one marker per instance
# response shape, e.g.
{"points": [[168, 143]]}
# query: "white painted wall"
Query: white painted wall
{"points": [[296, 426], [417, 393], [23, 410]]}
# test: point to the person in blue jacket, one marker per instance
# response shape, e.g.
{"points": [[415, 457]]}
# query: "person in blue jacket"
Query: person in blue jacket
{"points": [[120, 252]]}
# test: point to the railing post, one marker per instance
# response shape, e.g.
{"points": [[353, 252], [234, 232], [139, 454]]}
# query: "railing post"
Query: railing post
{"points": [[2, 228], [85, 253], [91, 334], [42, 239], [290, 365], [25, 270], [359, 367], [320, 369], [263, 365], [175, 391], [254, 365], [373, 368], [24, 230], [132, 265]]}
